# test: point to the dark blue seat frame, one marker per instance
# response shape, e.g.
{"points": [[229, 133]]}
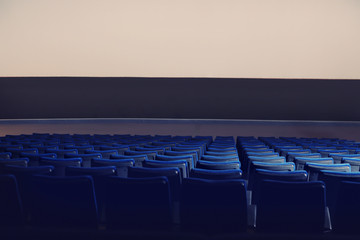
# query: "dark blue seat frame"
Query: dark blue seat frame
{"points": [[213, 206], [63, 202], [138, 203], [216, 174], [11, 211], [291, 207], [264, 174]]}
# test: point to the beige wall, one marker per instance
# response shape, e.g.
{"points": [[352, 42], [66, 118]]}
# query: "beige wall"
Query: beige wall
{"points": [[191, 38]]}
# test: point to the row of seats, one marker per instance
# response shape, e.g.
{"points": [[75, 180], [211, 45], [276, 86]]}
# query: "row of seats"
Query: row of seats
{"points": [[195, 183]]}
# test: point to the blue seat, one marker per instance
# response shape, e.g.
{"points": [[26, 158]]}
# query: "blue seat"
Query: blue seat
{"points": [[181, 164], [60, 153], [198, 150], [216, 174], [16, 153], [172, 174], [291, 156], [219, 158], [85, 158], [92, 171], [119, 148], [291, 207], [218, 165], [34, 158], [121, 165], [138, 159], [326, 153], [313, 169], [338, 157], [5, 155], [286, 166], [264, 174], [213, 206], [347, 209], [104, 153], [300, 162], [189, 159], [150, 149], [81, 149], [183, 153], [332, 180], [70, 200], [11, 211], [266, 159], [354, 163], [18, 162], [60, 164], [138, 203]]}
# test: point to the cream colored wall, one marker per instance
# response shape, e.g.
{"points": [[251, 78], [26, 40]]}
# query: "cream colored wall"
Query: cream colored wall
{"points": [[171, 38]]}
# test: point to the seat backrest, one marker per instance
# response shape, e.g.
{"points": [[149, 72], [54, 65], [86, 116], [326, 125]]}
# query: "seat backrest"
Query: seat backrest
{"points": [[332, 180], [264, 174], [339, 156], [218, 165], [5, 155], [104, 153], [219, 158], [291, 207], [210, 206], [286, 166], [61, 152], [313, 169], [300, 162], [291, 156], [121, 165], [137, 203], [183, 153], [181, 164], [85, 157], [216, 174], [138, 159], [93, 171], [354, 163], [11, 212], [188, 158], [347, 209], [172, 174], [70, 200], [60, 164]]}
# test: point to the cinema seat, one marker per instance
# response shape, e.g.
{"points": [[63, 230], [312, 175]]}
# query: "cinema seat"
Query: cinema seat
{"points": [[138, 159], [63, 202], [347, 209], [313, 169], [216, 174], [291, 207], [5, 155], [60, 164], [300, 162], [138, 203], [188, 159], [85, 157], [213, 206], [34, 158], [121, 165], [181, 164], [11, 211], [354, 163], [218, 165], [264, 174], [332, 180]]}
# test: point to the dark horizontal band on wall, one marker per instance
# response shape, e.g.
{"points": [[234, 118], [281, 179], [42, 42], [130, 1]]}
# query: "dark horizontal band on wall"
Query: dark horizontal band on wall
{"points": [[179, 98]]}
